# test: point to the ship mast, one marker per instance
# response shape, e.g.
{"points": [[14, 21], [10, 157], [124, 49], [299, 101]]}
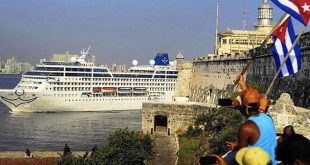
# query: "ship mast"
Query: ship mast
{"points": [[216, 26], [244, 16]]}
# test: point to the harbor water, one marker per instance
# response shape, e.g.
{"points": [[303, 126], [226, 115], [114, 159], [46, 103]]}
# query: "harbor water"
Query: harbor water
{"points": [[50, 131]]}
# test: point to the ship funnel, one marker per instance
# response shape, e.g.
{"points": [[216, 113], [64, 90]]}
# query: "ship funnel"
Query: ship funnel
{"points": [[161, 59]]}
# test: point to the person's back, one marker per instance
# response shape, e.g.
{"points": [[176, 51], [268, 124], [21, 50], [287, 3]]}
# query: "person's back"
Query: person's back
{"points": [[267, 134]]}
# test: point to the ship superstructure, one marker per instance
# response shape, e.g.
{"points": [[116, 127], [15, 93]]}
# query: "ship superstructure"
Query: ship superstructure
{"points": [[79, 85]]}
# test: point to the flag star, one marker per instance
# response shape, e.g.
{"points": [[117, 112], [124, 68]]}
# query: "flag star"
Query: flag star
{"points": [[306, 7]]}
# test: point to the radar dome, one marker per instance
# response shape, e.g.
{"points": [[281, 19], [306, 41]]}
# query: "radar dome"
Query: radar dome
{"points": [[134, 62], [152, 62], [73, 59]]}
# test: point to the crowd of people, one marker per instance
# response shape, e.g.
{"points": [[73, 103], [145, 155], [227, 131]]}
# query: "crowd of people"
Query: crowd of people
{"points": [[257, 139]]}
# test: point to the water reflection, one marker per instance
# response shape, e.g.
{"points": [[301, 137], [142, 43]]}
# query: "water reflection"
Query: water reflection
{"points": [[50, 131]]}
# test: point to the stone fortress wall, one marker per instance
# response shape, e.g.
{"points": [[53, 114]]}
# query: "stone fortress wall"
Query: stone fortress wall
{"points": [[213, 79]]}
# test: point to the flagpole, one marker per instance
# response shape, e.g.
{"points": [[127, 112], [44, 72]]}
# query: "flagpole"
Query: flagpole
{"points": [[249, 63], [284, 61]]}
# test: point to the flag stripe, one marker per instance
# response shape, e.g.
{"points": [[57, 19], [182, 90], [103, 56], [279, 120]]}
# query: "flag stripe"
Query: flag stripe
{"points": [[296, 50], [277, 51], [292, 56], [288, 62], [295, 54]]}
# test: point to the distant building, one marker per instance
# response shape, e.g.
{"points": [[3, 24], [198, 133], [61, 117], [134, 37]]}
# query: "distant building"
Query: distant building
{"points": [[114, 68], [63, 57], [93, 59], [69, 57], [9, 66], [1, 65], [122, 68], [236, 42], [13, 67], [11, 61], [22, 67]]}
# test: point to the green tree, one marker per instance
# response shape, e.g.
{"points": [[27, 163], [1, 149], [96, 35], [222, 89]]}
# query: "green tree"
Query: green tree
{"points": [[123, 147]]}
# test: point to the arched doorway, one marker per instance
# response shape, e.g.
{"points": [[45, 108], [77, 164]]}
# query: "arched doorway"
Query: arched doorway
{"points": [[161, 123]]}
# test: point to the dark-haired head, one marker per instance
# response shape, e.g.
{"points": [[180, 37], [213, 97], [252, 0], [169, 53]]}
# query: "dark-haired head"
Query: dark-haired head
{"points": [[288, 131], [294, 150]]}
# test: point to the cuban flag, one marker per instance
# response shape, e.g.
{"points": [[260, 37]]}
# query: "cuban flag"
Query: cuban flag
{"points": [[299, 9], [283, 37]]}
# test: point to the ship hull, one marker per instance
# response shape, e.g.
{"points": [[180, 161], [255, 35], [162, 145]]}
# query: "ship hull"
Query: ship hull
{"points": [[36, 102]]}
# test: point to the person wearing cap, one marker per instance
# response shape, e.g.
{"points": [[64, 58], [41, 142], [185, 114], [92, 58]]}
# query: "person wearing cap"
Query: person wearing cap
{"points": [[252, 156], [248, 156], [259, 129]]}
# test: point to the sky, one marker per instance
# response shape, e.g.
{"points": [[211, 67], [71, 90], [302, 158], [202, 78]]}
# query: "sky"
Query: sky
{"points": [[118, 31]]}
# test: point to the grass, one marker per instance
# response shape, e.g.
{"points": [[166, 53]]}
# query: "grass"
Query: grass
{"points": [[188, 150]]}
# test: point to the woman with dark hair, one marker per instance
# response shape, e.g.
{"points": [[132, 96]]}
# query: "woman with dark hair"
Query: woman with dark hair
{"points": [[288, 132], [294, 150]]}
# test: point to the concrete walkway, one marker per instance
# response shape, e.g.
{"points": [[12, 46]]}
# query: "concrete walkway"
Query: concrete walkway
{"points": [[164, 148]]}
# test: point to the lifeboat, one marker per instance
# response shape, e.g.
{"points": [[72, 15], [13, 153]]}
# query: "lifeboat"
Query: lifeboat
{"points": [[124, 90], [139, 90]]}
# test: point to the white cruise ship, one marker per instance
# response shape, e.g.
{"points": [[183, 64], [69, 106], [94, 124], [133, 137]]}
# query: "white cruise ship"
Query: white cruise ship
{"points": [[79, 85]]}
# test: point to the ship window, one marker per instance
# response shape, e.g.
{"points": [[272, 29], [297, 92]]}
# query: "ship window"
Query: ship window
{"points": [[100, 70], [101, 75], [172, 72], [160, 72]]}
